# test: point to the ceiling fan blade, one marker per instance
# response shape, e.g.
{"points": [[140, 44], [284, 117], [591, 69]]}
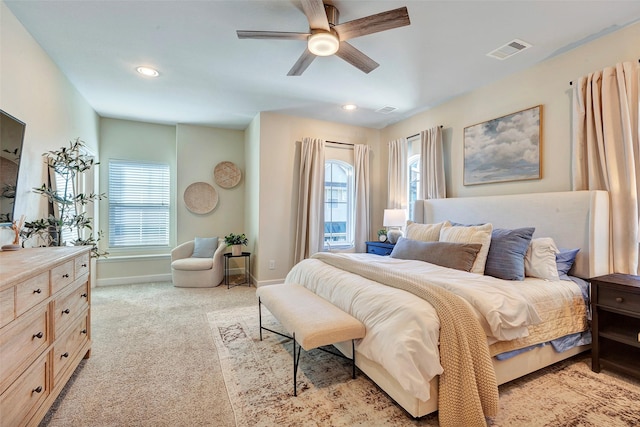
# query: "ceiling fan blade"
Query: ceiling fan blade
{"points": [[356, 58], [280, 35], [302, 63], [373, 24], [314, 9]]}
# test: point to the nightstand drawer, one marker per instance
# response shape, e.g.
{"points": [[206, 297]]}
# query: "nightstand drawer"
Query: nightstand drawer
{"points": [[379, 248], [618, 299]]}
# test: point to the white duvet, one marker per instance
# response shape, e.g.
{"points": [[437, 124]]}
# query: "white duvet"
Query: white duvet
{"points": [[403, 329]]}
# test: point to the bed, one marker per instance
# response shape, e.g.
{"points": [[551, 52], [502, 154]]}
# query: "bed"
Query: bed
{"points": [[572, 219]]}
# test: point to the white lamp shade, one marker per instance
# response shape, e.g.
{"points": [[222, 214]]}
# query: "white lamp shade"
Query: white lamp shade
{"points": [[394, 217]]}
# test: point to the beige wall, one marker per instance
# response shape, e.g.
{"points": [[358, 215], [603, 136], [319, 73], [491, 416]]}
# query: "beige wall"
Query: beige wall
{"points": [[130, 140], [546, 84], [34, 90], [252, 189], [279, 150], [199, 149]]}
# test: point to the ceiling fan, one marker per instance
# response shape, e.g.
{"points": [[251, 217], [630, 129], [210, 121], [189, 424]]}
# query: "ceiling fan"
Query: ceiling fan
{"points": [[327, 37]]}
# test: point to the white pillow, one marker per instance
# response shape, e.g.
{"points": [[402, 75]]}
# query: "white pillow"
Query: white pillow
{"points": [[470, 234], [540, 260], [423, 232]]}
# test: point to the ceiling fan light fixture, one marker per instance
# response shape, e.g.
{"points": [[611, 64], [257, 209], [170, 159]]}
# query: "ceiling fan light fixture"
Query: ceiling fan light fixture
{"points": [[323, 43]]}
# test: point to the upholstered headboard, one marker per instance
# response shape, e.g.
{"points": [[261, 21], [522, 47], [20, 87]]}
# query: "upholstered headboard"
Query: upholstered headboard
{"points": [[574, 219]]}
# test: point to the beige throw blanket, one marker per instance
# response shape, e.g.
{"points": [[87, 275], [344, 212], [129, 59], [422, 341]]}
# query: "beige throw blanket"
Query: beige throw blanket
{"points": [[468, 390]]}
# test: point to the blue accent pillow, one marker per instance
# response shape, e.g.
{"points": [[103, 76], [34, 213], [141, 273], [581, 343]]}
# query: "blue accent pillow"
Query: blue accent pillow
{"points": [[565, 260], [506, 253], [204, 247]]}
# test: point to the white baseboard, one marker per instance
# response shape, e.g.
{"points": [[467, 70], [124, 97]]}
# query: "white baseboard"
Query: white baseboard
{"points": [[133, 280], [268, 282]]}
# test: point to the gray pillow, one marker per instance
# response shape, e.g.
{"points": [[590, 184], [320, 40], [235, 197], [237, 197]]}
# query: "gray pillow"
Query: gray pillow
{"points": [[446, 254], [204, 247], [506, 253]]}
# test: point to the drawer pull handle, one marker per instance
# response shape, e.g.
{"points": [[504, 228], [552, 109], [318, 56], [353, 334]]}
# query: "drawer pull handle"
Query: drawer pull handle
{"points": [[619, 299], [84, 331], [65, 275], [84, 295], [65, 354], [84, 265], [38, 335], [37, 291], [66, 311], [37, 389]]}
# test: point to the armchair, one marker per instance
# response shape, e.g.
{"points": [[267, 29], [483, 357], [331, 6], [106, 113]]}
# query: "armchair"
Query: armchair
{"points": [[197, 272]]}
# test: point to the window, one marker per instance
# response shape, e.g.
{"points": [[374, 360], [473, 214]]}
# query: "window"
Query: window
{"points": [[414, 182], [138, 204], [338, 204]]}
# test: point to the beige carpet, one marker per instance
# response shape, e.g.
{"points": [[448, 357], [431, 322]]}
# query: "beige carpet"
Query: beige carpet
{"points": [[258, 376], [159, 359]]}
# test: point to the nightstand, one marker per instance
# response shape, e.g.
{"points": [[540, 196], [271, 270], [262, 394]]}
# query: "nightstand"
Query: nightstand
{"points": [[615, 326], [379, 248]]}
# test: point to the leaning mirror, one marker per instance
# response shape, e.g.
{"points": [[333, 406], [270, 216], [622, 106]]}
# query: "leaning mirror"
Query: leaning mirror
{"points": [[11, 137]]}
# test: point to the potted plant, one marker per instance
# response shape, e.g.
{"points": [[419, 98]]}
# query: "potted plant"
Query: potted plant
{"points": [[382, 235], [66, 206], [236, 241]]}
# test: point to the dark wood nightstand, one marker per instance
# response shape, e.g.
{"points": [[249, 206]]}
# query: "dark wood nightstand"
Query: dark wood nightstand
{"points": [[379, 248], [615, 303]]}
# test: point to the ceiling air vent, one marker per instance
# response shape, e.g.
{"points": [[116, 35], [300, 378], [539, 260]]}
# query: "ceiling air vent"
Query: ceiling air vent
{"points": [[386, 110], [509, 49]]}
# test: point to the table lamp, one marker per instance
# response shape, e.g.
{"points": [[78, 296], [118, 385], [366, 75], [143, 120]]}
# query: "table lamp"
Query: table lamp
{"points": [[394, 219]]}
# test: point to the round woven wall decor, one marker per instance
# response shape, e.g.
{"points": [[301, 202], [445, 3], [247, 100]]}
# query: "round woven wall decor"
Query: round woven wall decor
{"points": [[227, 174], [200, 198]]}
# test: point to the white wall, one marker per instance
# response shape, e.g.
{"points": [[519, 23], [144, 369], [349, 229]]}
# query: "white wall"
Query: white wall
{"points": [[34, 90], [279, 150], [546, 84]]}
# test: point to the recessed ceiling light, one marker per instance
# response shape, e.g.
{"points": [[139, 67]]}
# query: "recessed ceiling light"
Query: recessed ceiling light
{"points": [[146, 71], [349, 107]]}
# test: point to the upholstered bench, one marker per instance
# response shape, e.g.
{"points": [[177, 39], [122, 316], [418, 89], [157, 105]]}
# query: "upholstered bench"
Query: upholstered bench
{"points": [[311, 321]]}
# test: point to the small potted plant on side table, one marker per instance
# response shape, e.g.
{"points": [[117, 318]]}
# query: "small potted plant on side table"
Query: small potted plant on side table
{"points": [[382, 235], [236, 241]]}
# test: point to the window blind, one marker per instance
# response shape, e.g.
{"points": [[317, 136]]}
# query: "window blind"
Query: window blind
{"points": [[138, 204]]}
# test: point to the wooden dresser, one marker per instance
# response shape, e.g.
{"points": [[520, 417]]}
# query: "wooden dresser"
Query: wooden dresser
{"points": [[45, 328]]}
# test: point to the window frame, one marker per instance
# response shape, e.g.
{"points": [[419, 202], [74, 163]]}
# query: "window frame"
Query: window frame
{"points": [[160, 206], [350, 208]]}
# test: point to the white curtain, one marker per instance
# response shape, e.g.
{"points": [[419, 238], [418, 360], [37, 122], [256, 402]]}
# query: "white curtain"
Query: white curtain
{"points": [[310, 220], [432, 181], [361, 199], [397, 178], [606, 152]]}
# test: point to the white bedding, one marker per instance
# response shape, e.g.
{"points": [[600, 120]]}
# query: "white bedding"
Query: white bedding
{"points": [[402, 329]]}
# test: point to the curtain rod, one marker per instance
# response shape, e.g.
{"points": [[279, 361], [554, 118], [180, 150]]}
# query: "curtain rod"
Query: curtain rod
{"points": [[571, 82], [417, 134], [341, 143]]}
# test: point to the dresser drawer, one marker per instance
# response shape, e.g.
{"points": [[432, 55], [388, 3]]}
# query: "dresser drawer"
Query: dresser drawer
{"points": [[22, 399], [619, 299], [67, 346], [7, 306], [67, 307], [62, 276], [81, 265], [21, 344], [31, 292]]}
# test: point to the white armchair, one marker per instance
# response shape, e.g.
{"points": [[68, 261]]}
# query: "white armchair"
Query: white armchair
{"points": [[197, 271]]}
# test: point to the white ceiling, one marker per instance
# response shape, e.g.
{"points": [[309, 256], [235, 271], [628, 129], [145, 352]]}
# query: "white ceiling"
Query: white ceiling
{"points": [[210, 77]]}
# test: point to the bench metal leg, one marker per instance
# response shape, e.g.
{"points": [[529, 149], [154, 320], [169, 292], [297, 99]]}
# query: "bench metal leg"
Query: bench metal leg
{"points": [[260, 316], [296, 363]]}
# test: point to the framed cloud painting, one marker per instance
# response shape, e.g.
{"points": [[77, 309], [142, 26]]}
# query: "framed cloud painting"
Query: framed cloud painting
{"points": [[504, 149]]}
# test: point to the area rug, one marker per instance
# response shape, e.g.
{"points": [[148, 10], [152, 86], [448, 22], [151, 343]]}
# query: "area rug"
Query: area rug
{"points": [[258, 376]]}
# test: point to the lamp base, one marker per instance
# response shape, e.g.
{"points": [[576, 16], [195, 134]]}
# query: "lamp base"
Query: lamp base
{"points": [[393, 235]]}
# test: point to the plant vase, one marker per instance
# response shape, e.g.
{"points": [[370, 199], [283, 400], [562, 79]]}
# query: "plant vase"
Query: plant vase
{"points": [[236, 250]]}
